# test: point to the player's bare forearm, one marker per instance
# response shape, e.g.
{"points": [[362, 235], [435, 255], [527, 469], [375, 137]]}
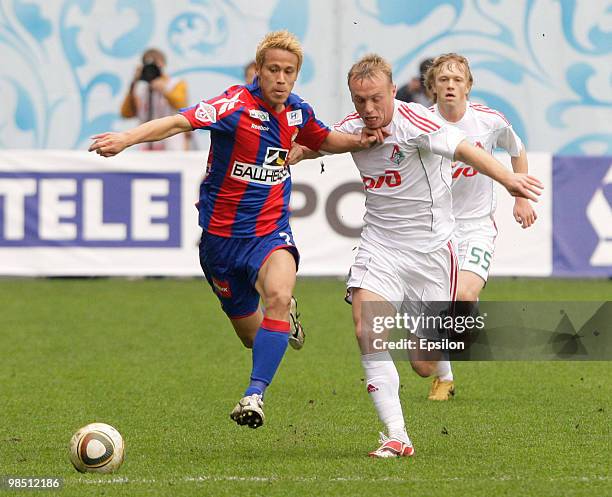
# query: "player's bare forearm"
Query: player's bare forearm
{"points": [[299, 153], [523, 212], [517, 184], [109, 144], [519, 164], [481, 161], [338, 143], [158, 129]]}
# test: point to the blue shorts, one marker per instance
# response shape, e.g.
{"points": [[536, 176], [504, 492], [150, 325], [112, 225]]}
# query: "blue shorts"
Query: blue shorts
{"points": [[231, 266]]}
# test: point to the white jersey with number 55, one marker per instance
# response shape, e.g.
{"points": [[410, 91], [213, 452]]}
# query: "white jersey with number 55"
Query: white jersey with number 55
{"points": [[474, 193], [407, 179]]}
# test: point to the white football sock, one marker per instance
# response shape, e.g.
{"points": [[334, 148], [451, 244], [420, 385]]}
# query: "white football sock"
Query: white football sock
{"points": [[382, 381], [444, 371]]}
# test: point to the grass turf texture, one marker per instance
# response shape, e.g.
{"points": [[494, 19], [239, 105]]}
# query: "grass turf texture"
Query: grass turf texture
{"points": [[157, 359]]}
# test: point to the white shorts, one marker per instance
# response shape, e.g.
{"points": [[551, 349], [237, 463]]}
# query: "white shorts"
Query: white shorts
{"points": [[475, 242], [402, 275]]}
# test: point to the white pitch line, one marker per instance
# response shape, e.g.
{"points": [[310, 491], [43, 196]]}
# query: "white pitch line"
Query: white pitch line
{"points": [[306, 479]]}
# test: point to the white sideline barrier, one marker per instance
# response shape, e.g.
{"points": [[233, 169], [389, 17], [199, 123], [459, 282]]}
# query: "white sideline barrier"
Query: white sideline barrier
{"points": [[67, 213]]}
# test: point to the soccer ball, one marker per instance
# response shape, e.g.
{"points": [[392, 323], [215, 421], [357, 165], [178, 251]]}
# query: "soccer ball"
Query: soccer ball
{"points": [[97, 448]]}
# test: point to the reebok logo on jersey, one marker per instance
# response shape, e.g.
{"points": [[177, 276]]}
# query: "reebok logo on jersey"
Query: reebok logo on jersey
{"points": [[259, 114], [226, 104], [294, 117], [222, 288], [259, 127], [206, 113], [276, 156], [265, 174]]}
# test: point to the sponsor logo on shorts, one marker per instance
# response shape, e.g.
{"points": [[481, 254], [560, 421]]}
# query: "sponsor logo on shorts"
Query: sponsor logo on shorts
{"points": [[206, 113], [260, 127], [276, 156], [222, 288], [372, 388], [259, 114], [265, 174], [294, 117]]}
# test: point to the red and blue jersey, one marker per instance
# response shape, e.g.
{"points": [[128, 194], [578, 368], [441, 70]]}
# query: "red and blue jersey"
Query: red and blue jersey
{"points": [[247, 187]]}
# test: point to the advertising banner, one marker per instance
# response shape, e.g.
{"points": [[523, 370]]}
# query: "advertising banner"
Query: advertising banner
{"points": [[67, 213], [77, 214], [582, 216]]}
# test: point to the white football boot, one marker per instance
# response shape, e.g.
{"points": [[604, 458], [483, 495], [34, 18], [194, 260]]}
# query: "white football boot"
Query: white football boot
{"points": [[392, 447], [249, 411], [296, 336]]}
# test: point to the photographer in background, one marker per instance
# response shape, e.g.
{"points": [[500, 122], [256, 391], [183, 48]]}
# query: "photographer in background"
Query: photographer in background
{"points": [[154, 94], [414, 90]]}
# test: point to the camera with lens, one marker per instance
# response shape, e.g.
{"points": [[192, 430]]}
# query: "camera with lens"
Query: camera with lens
{"points": [[150, 71]]}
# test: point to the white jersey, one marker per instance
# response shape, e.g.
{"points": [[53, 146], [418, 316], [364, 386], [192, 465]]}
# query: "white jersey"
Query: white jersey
{"points": [[407, 179], [473, 192]]}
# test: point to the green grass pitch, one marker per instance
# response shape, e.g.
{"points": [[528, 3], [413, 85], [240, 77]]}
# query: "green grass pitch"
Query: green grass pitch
{"points": [[157, 359]]}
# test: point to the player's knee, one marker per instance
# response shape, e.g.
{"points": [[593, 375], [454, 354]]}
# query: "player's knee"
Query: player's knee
{"points": [[362, 330], [467, 294], [278, 303]]}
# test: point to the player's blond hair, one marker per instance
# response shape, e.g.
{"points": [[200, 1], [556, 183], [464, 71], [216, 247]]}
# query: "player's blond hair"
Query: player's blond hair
{"points": [[448, 60], [283, 40], [368, 66]]}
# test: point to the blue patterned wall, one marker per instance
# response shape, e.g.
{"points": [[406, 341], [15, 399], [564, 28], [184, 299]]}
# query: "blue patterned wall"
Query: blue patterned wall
{"points": [[66, 64]]}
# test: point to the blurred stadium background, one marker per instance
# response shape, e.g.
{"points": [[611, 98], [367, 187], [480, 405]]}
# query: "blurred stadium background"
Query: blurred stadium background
{"points": [[66, 65]]}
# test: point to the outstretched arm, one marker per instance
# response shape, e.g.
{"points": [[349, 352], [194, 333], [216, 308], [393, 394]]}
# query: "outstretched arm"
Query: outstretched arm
{"points": [[523, 212], [299, 153], [338, 143], [109, 144], [517, 184]]}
